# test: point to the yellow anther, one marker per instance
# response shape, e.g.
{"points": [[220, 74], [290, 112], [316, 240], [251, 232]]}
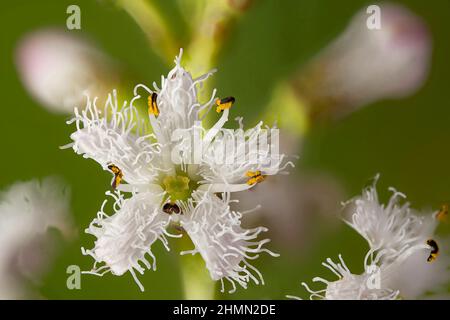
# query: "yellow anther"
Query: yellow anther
{"points": [[153, 105], [254, 177], [434, 250], [118, 175], [225, 103]]}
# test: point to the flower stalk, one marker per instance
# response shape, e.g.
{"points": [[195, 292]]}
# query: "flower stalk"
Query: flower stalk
{"points": [[197, 283]]}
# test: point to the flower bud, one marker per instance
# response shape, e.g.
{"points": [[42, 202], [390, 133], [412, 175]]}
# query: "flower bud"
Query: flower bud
{"points": [[364, 65], [58, 68]]}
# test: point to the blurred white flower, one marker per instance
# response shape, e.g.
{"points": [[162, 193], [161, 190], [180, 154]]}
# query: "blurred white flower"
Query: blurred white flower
{"points": [[405, 260], [57, 67], [27, 210], [401, 236], [164, 192], [362, 65]]}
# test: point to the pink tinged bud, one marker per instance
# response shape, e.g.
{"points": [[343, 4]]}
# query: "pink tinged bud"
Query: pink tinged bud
{"points": [[58, 68], [363, 65]]}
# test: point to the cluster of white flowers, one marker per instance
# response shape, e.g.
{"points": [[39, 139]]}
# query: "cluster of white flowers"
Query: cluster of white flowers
{"points": [[193, 197], [402, 261]]}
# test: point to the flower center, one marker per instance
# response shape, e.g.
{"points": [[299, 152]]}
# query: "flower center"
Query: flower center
{"points": [[178, 187]]}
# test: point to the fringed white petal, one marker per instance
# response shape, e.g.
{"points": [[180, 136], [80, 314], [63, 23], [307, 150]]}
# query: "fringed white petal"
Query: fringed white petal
{"points": [[225, 246], [115, 135], [177, 101], [394, 229], [233, 153], [124, 239], [349, 286]]}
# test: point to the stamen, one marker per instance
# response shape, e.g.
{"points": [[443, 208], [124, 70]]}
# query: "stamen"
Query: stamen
{"points": [[118, 175], [224, 103], [254, 177], [434, 250], [152, 104], [170, 208]]}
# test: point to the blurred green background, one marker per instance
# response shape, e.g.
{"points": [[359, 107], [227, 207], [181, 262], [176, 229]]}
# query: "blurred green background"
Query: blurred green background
{"points": [[407, 141]]}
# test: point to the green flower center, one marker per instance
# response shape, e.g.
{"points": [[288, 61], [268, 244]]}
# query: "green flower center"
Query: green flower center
{"points": [[178, 187]]}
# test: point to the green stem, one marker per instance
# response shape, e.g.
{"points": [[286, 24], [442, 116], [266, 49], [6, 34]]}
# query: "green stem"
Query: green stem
{"points": [[210, 33], [197, 282], [288, 110]]}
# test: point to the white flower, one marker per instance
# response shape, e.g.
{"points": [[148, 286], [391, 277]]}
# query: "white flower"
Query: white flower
{"points": [[27, 211], [164, 191], [404, 260]]}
